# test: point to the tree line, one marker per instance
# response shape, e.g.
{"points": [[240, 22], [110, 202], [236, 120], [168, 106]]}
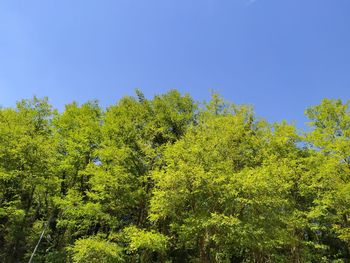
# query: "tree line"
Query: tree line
{"points": [[168, 179]]}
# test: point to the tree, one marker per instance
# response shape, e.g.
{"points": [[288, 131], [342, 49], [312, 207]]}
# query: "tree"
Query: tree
{"points": [[168, 180], [27, 174], [330, 141]]}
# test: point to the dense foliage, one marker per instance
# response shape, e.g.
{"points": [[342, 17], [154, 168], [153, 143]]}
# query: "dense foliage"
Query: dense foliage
{"points": [[168, 180]]}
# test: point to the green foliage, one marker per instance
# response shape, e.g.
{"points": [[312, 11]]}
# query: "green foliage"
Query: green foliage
{"points": [[145, 246], [93, 250], [168, 180]]}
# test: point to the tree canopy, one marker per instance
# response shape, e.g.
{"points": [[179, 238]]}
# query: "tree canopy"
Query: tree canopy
{"points": [[168, 179]]}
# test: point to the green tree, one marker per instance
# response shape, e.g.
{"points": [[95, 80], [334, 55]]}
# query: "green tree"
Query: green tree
{"points": [[329, 139], [78, 132], [27, 175], [163, 180]]}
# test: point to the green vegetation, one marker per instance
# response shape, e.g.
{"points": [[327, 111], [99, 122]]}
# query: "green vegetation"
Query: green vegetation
{"points": [[168, 180]]}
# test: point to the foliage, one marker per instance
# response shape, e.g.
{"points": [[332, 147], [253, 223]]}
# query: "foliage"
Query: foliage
{"points": [[169, 180], [93, 250]]}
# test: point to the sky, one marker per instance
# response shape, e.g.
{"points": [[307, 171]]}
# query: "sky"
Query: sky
{"points": [[280, 56]]}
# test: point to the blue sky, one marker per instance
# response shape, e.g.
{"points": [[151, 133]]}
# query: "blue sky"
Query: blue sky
{"points": [[278, 55]]}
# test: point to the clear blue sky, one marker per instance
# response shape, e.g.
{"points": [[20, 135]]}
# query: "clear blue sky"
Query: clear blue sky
{"points": [[279, 55]]}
